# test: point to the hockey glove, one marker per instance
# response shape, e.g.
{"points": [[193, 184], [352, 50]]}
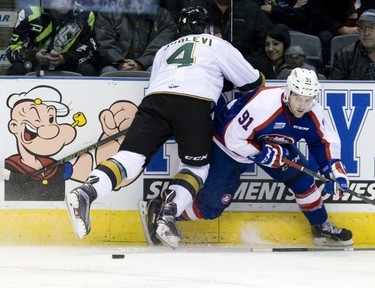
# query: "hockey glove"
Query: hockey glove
{"points": [[335, 171], [271, 155]]}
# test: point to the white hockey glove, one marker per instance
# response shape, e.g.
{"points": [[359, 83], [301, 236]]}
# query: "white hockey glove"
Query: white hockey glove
{"points": [[335, 171], [271, 155]]}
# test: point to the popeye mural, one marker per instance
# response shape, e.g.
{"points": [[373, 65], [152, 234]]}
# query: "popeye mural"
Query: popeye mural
{"points": [[35, 118]]}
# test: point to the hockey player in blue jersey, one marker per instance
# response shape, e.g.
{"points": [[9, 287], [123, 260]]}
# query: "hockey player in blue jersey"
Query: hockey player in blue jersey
{"points": [[263, 128]]}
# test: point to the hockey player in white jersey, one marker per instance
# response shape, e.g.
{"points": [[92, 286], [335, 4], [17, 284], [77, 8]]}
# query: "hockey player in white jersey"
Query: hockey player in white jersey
{"points": [[263, 128], [186, 82]]}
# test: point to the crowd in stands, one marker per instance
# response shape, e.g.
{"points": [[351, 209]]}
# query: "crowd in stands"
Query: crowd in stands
{"points": [[277, 41], [294, 57], [92, 37], [129, 41]]}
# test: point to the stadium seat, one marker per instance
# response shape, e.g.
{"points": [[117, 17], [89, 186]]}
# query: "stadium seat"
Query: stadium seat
{"points": [[339, 42], [127, 74], [310, 44], [42, 73], [322, 77]]}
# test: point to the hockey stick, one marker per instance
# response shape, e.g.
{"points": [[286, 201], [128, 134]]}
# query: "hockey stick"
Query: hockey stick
{"points": [[310, 249], [323, 179], [6, 174]]}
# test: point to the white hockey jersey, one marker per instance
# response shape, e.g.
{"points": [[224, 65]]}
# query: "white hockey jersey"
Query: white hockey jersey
{"points": [[195, 66], [242, 126]]}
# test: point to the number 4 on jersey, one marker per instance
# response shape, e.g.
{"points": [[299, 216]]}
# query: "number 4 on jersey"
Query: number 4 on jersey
{"points": [[183, 56]]}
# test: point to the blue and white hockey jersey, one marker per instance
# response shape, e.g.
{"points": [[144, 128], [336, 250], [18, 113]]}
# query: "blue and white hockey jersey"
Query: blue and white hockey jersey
{"points": [[243, 124]]}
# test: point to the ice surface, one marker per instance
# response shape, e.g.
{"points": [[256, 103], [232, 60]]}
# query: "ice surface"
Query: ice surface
{"points": [[190, 266]]}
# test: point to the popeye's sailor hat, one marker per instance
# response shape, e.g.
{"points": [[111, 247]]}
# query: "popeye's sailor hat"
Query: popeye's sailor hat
{"points": [[42, 94]]}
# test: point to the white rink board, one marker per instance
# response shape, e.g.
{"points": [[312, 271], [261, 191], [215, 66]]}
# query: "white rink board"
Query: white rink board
{"points": [[90, 96], [349, 105]]}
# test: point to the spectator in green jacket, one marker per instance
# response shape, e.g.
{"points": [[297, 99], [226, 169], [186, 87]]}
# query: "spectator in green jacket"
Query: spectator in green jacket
{"points": [[58, 35]]}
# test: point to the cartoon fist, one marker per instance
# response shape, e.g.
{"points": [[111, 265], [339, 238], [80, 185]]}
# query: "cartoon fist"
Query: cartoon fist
{"points": [[117, 118]]}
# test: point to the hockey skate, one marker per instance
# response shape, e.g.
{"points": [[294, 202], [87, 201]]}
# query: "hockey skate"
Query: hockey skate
{"points": [[78, 202], [167, 230], [149, 212], [327, 234]]}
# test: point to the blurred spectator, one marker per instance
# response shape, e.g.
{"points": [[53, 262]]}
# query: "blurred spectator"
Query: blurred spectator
{"points": [[275, 45], [175, 6], [59, 35], [331, 20], [322, 18], [102, 5], [337, 17], [356, 61], [110, 5], [87, 4], [249, 28], [295, 14], [129, 40], [365, 5], [294, 57], [125, 4]]}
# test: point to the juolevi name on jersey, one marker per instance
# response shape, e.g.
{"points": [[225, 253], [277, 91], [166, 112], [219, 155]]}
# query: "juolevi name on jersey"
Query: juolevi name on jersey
{"points": [[351, 114], [203, 40]]}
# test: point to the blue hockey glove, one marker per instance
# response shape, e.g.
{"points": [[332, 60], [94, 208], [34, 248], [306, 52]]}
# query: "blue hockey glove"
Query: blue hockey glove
{"points": [[335, 171], [271, 155]]}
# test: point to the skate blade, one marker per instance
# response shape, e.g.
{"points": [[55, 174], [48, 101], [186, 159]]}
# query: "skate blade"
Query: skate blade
{"points": [[332, 243], [142, 207], [169, 240], [71, 201]]}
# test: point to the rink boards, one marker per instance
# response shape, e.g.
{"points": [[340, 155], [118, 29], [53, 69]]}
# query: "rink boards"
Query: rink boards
{"points": [[263, 212], [124, 227]]}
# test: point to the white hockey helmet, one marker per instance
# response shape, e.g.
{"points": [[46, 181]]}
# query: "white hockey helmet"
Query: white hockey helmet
{"points": [[302, 82]]}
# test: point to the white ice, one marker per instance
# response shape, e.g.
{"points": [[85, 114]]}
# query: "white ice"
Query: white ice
{"points": [[190, 266]]}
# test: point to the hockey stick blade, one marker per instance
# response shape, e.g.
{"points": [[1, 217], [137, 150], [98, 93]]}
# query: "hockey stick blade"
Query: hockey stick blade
{"points": [[310, 249], [142, 207], [323, 179], [6, 174]]}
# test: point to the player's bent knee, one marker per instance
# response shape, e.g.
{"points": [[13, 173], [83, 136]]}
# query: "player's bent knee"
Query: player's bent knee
{"points": [[210, 213]]}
